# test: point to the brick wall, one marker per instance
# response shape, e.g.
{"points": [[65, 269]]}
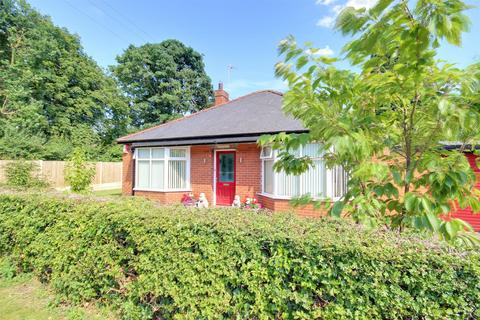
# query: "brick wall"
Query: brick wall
{"points": [[283, 205], [248, 179], [162, 197], [467, 214], [127, 172], [248, 174], [249, 171], [201, 171]]}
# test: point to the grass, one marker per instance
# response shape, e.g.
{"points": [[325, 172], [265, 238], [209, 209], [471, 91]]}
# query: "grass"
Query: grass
{"points": [[111, 192], [24, 298]]}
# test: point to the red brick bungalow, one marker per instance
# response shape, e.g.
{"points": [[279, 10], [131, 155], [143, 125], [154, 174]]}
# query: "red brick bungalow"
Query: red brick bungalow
{"points": [[214, 151]]}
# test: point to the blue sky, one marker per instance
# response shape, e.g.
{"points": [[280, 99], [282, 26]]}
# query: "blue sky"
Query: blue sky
{"points": [[241, 33]]}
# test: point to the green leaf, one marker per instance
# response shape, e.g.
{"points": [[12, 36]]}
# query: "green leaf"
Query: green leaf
{"points": [[301, 62], [433, 221], [337, 209], [410, 202], [397, 178]]}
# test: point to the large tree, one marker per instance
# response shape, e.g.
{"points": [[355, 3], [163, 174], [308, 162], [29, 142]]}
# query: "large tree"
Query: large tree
{"points": [[52, 95], [163, 81], [387, 124]]}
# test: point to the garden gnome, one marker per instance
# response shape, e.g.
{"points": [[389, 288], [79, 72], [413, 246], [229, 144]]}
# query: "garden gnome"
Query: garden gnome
{"points": [[202, 201], [236, 202]]}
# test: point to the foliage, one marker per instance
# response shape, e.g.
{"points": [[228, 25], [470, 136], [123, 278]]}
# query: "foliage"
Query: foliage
{"points": [[173, 262], [51, 91], [78, 172], [23, 174], [163, 81], [387, 123], [7, 268]]}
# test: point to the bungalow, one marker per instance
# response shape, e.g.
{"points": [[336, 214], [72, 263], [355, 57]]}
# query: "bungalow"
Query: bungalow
{"points": [[214, 151]]}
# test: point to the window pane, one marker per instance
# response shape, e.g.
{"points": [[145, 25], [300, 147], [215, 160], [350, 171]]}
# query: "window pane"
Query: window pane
{"points": [[227, 167], [268, 176], [177, 174], [158, 153], [295, 152], [266, 152], [178, 153], [158, 174], [288, 185], [314, 180], [340, 179], [312, 150], [143, 153], [143, 173]]}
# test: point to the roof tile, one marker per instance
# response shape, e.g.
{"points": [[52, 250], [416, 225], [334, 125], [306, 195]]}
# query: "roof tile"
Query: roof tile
{"points": [[256, 113]]}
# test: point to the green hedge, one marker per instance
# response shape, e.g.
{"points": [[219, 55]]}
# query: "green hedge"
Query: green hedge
{"points": [[176, 263]]}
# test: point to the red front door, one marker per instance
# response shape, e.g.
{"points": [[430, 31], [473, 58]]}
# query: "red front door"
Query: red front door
{"points": [[225, 177]]}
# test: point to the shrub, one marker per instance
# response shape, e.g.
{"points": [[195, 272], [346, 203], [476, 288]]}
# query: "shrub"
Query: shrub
{"points": [[23, 174], [78, 172], [174, 262]]}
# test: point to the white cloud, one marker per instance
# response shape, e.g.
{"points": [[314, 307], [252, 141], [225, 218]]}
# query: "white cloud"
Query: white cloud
{"points": [[358, 4], [321, 52], [327, 21], [325, 2], [336, 9]]}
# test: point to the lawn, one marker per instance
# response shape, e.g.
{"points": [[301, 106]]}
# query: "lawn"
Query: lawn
{"points": [[111, 192], [24, 298]]}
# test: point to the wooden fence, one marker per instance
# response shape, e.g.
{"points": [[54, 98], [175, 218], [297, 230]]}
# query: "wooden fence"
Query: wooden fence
{"points": [[108, 175]]}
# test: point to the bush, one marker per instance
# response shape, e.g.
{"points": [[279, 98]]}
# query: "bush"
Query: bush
{"points": [[23, 174], [174, 262], [78, 172]]}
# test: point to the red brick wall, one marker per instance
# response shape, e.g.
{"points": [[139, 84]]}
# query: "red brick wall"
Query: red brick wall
{"points": [[201, 171], [162, 197], [248, 179], [248, 170], [127, 171], [283, 205], [248, 174], [467, 214]]}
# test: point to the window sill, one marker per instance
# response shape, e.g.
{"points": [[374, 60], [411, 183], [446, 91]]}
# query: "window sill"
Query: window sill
{"points": [[162, 190], [271, 196]]}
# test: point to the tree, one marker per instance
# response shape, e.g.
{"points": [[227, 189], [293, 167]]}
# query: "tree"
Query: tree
{"points": [[79, 173], [163, 81], [387, 123], [50, 89]]}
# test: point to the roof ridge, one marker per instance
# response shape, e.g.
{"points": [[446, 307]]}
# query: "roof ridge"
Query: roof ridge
{"points": [[198, 112]]}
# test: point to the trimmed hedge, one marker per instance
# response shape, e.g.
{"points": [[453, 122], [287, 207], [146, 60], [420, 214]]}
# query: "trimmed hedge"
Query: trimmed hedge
{"points": [[177, 263]]}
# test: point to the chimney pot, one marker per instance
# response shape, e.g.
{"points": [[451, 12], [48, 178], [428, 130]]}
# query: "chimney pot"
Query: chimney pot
{"points": [[221, 96]]}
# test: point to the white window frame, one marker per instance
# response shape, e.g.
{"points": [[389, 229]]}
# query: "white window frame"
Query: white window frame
{"points": [[166, 158], [329, 176], [266, 157]]}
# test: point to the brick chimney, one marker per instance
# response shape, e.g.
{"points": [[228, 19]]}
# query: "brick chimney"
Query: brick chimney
{"points": [[221, 96]]}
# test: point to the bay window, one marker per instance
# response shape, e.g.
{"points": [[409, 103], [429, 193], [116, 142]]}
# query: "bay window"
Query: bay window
{"points": [[162, 169], [318, 181]]}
